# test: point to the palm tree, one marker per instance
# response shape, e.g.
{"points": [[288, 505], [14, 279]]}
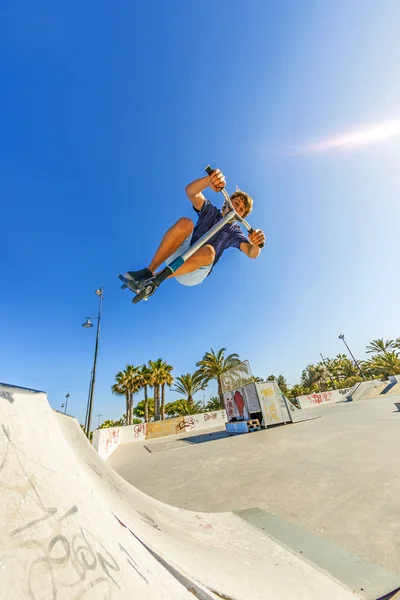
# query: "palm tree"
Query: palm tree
{"points": [[127, 384], [146, 380], [213, 404], [213, 365], [159, 375], [188, 385], [314, 377], [385, 364], [168, 380], [121, 389], [134, 385], [380, 346]]}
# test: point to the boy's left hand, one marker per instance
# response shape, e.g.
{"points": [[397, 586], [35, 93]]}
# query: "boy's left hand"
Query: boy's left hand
{"points": [[257, 237]]}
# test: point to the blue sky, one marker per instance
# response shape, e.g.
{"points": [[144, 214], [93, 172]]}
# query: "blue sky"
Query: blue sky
{"points": [[107, 112]]}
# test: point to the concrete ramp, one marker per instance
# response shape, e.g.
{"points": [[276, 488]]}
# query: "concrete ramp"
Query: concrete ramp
{"points": [[72, 529], [367, 389]]}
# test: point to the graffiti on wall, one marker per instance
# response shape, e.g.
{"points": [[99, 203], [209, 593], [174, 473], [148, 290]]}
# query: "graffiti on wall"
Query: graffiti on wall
{"points": [[208, 416], [139, 430], [110, 439], [188, 423], [319, 398]]}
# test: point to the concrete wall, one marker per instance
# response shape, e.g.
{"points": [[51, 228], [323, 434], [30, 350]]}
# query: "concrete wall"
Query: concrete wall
{"points": [[107, 440], [318, 398]]}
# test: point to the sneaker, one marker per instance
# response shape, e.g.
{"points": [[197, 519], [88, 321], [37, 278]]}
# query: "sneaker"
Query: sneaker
{"points": [[136, 279]]}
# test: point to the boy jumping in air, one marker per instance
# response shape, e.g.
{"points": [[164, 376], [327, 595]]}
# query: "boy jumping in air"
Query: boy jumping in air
{"points": [[184, 233]]}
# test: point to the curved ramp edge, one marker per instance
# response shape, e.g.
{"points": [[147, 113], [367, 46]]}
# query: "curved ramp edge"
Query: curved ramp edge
{"points": [[73, 528]]}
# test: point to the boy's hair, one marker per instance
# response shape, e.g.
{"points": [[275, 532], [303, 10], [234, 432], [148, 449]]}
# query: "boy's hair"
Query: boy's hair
{"points": [[247, 200]]}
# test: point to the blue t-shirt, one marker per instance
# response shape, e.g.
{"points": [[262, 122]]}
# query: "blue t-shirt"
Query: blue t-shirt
{"points": [[229, 236]]}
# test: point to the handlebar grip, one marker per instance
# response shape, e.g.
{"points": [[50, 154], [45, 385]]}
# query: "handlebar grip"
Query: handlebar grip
{"points": [[209, 170], [259, 245]]}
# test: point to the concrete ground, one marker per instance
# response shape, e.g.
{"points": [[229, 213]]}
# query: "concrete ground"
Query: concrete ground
{"points": [[337, 475]]}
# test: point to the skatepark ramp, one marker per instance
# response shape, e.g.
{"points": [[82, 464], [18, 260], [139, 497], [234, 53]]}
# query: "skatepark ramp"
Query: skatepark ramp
{"points": [[72, 529], [366, 389]]}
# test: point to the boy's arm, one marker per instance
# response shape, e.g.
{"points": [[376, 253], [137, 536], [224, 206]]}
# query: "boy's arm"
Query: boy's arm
{"points": [[216, 181], [251, 248]]}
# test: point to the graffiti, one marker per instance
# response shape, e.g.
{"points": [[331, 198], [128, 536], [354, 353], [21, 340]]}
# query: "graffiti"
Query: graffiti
{"points": [[139, 429], [82, 555], [273, 413], [208, 416], [189, 423], [319, 398], [344, 392], [110, 438], [267, 392], [60, 553], [230, 411]]}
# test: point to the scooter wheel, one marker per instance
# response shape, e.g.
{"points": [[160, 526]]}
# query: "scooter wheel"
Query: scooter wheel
{"points": [[143, 294]]}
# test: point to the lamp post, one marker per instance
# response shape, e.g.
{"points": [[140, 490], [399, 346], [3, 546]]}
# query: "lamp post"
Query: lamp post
{"points": [[341, 337], [66, 403], [87, 325], [99, 416]]}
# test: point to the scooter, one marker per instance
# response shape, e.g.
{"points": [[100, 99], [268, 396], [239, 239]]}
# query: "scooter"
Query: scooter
{"points": [[149, 287]]}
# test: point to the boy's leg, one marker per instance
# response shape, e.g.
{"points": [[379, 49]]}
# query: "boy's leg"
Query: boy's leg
{"points": [[202, 258], [169, 244], [171, 241]]}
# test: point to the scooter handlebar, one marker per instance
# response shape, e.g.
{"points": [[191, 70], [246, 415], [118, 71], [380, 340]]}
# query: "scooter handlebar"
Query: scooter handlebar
{"points": [[210, 171]]}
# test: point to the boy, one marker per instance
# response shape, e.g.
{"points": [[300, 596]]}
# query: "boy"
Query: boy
{"points": [[184, 234]]}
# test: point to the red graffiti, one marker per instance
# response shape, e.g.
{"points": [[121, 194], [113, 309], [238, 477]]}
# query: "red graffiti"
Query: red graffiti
{"points": [[139, 428], [208, 416], [112, 437], [319, 398]]}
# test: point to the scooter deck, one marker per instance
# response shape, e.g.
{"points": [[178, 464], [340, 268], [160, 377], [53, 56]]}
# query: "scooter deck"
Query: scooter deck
{"points": [[137, 290]]}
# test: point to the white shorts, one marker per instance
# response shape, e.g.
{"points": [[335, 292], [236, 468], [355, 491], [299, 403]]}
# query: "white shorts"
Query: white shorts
{"points": [[195, 277]]}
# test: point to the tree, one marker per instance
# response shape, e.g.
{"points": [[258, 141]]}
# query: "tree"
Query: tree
{"points": [[120, 423], [298, 390], [140, 409], [188, 385], [213, 404], [160, 376], [385, 364], [214, 364], [156, 370], [121, 388], [380, 346], [183, 408], [166, 379], [146, 381], [128, 383], [315, 378]]}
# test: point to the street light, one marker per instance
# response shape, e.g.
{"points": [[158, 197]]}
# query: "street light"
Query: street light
{"points": [[341, 337], [98, 416], [66, 403], [87, 324]]}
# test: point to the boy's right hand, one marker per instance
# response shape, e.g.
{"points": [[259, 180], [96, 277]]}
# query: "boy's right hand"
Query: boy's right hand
{"points": [[217, 180]]}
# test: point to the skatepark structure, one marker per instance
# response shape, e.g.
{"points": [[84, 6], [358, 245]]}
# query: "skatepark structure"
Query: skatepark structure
{"points": [[73, 529]]}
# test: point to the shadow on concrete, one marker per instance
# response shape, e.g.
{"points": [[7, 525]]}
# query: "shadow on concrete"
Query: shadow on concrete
{"points": [[206, 437]]}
